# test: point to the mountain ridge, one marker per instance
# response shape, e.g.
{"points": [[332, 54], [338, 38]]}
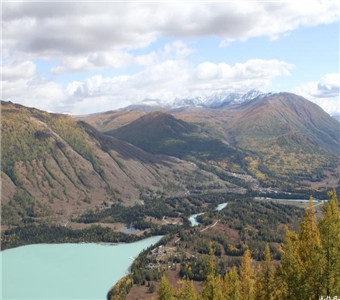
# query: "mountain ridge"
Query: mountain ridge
{"points": [[216, 100], [56, 164], [56, 167], [269, 128]]}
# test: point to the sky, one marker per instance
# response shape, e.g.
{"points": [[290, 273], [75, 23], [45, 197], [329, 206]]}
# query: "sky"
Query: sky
{"points": [[82, 57]]}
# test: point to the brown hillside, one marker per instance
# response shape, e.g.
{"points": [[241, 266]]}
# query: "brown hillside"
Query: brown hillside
{"points": [[53, 165]]}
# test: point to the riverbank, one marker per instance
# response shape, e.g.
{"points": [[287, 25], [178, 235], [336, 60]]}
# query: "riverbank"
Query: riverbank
{"points": [[37, 234]]}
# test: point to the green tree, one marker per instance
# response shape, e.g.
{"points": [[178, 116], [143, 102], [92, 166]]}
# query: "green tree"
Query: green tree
{"points": [[330, 238], [151, 288]]}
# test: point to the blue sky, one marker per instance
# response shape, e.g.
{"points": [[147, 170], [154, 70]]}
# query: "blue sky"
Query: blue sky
{"points": [[85, 57]]}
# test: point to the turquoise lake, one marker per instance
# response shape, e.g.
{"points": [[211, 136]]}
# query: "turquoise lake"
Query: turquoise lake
{"points": [[66, 271]]}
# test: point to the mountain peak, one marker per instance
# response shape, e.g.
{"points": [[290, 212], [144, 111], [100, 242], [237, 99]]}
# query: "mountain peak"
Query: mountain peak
{"points": [[215, 100], [218, 99]]}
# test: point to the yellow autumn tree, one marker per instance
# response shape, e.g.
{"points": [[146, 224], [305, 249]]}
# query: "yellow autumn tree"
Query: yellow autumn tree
{"points": [[265, 282], [186, 291], [231, 285], [246, 277], [212, 285], [329, 228], [166, 291], [289, 273], [310, 252]]}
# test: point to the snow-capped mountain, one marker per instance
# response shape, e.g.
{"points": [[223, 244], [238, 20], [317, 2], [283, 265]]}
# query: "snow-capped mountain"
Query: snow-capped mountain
{"points": [[215, 100], [224, 98]]}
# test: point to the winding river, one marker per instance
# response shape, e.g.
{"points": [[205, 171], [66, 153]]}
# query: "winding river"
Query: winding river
{"points": [[193, 220]]}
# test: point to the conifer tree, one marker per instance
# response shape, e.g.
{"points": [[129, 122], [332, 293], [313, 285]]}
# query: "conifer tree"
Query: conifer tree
{"points": [[212, 286], [311, 255], [246, 277], [166, 291], [289, 273], [186, 290], [264, 285], [330, 238], [231, 285]]}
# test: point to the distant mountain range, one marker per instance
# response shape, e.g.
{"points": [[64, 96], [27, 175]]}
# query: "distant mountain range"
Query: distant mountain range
{"points": [[215, 100], [281, 139], [220, 99]]}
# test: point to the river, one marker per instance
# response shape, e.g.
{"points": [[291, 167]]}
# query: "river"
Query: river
{"points": [[193, 220], [66, 271]]}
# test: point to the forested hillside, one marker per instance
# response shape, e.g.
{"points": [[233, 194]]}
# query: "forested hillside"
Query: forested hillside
{"points": [[309, 267], [283, 140], [54, 168]]}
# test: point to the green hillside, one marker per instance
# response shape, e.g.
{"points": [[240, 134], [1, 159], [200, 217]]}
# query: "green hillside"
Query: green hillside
{"points": [[291, 139], [162, 133]]}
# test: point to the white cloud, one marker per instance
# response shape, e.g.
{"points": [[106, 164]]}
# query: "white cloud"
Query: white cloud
{"points": [[84, 35], [21, 84], [80, 36], [118, 59], [328, 86], [254, 73], [18, 70], [324, 92], [172, 79], [39, 93], [95, 60]]}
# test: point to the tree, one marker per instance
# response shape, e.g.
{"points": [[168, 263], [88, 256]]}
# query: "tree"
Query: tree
{"points": [[311, 255], [329, 228], [310, 262], [166, 291], [231, 285], [186, 290], [264, 285], [212, 285], [289, 272], [246, 277], [151, 288]]}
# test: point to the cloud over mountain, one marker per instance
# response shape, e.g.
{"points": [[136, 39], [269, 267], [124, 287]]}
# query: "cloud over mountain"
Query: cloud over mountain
{"points": [[103, 55], [324, 92], [78, 27], [178, 79]]}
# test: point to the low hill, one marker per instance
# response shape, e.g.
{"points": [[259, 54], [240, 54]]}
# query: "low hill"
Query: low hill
{"points": [[161, 133]]}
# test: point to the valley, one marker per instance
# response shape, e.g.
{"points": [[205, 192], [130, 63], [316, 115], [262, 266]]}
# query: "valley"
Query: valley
{"points": [[89, 178], [57, 169]]}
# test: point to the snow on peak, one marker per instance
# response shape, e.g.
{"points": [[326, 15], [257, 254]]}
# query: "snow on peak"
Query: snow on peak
{"points": [[218, 99]]}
